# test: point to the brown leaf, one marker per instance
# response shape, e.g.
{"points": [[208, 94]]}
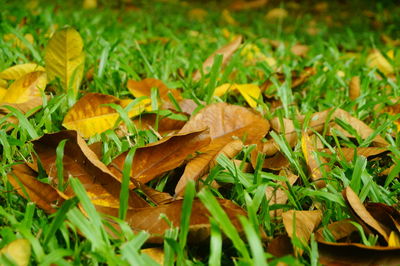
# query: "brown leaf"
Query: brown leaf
{"points": [[278, 195], [300, 49], [298, 78], [384, 214], [167, 154], [187, 105], [225, 122], [165, 125], [32, 189], [301, 224], [348, 153], [354, 88], [280, 246], [314, 163], [143, 88], [148, 219], [276, 162], [360, 212], [227, 51], [245, 5], [79, 161]]}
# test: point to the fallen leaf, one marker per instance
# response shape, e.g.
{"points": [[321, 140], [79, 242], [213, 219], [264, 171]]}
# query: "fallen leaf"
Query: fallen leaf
{"points": [[25, 182], [156, 158], [278, 196], [280, 246], [225, 122], [227, 51], [17, 42], [91, 115], [314, 162], [157, 254], [198, 14], [300, 49], [276, 162], [301, 224], [187, 106], [385, 214], [143, 88], [276, 14], [246, 5], [102, 186], [362, 213], [376, 59], [165, 125], [348, 153], [227, 17], [65, 58], [298, 78], [89, 4], [17, 71], [354, 88], [250, 92], [19, 251], [148, 219]]}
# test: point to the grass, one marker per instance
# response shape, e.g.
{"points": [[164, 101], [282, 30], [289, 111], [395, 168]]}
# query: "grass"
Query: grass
{"points": [[122, 44]]}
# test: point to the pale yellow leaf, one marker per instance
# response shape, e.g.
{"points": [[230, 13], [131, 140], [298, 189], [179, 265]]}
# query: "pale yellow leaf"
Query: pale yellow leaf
{"points": [[224, 88], [17, 71], [16, 41], [376, 59], [3, 91], [227, 17], [65, 58], [250, 92], [91, 116], [394, 239], [19, 251], [89, 4]]}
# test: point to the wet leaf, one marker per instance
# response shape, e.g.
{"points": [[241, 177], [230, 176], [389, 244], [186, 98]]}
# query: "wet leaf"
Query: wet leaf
{"points": [[143, 88], [362, 213], [148, 219], [227, 51], [250, 92], [91, 115], [156, 158], [102, 186], [25, 182], [225, 122], [17, 71], [65, 58], [19, 251]]}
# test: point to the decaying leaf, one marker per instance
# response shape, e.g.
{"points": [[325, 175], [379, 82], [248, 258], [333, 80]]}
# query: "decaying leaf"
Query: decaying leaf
{"points": [[362, 213], [314, 163], [65, 58], [148, 219], [91, 115], [19, 251], [143, 88], [79, 161], [225, 122], [167, 154], [301, 224], [250, 92], [17, 71], [227, 52], [25, 182]]}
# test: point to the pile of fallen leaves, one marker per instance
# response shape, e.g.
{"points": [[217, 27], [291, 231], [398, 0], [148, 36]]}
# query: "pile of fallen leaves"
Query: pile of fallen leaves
{"points": [[193, 143]]}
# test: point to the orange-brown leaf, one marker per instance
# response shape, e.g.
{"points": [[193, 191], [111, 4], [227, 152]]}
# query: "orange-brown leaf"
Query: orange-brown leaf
{"points": [[143, 88]]}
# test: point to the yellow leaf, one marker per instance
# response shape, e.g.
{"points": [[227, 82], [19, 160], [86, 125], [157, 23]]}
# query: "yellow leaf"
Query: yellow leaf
{"points": [[65, 59], [394, 239], [2, 92], [17, 71], [276, 13], [3, 83], [227, 17], [16, 41], [91, 116], [376, 59], [19, 251], [26, 88], [89, 4], [250, 92]]}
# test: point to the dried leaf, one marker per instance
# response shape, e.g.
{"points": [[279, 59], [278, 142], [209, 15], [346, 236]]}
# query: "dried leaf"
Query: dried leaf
{"points": [[89, 4], [384, 214], [362, 213], [250, 92], [314, 163], [225, 122], [198, 14], [300, 49], [167, 154], [102, 186], [276, 14], [227, 51], [32, 189], [65, 58], [90, 115], [148, 219], [165, 125], [143, 88], [376, 59], [348, 153], [19, 251], [157, 254], [354, 88], [17, 71], [227, 17], [246, 5]]}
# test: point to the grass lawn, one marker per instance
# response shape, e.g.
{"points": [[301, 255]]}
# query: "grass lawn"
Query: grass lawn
{"points": [[319, 186]]}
